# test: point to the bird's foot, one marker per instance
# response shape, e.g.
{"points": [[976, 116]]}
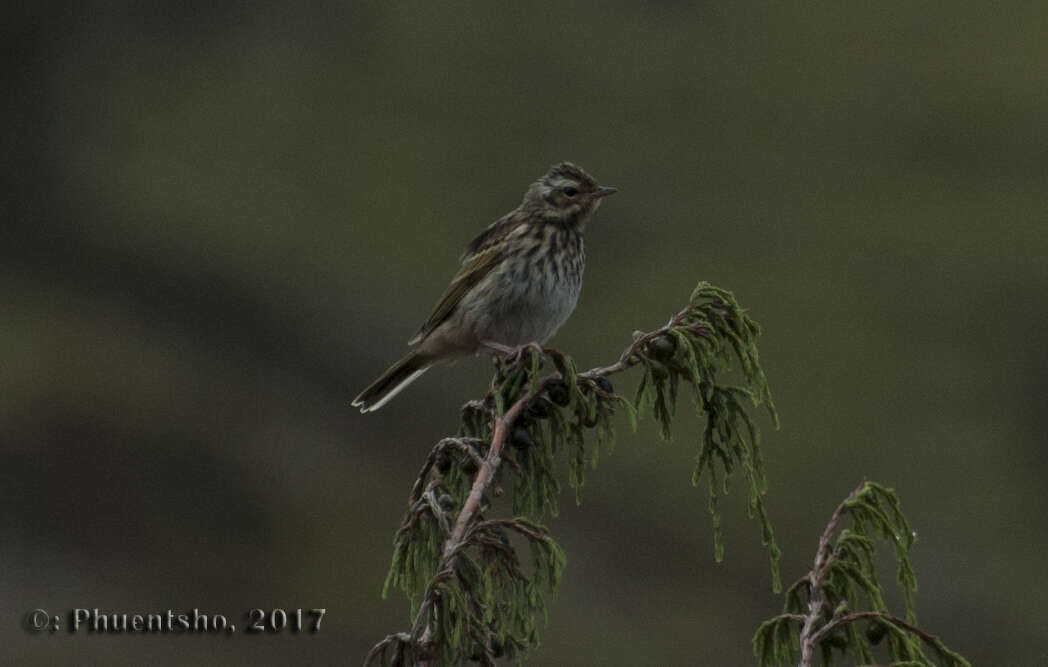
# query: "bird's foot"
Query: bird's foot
{"points": [[511, 353]]}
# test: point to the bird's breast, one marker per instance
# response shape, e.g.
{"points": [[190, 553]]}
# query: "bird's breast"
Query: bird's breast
{"points": [[534, 290]]}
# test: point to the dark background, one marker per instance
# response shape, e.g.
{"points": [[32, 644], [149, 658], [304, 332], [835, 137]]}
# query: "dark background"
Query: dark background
{"points": [[221, 221]]}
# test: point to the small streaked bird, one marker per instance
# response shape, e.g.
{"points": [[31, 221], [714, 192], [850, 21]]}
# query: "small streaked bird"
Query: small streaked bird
{"points": [[519, 281]]}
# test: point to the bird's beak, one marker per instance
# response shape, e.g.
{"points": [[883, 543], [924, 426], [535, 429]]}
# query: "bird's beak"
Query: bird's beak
{"points": [[604, 191]]}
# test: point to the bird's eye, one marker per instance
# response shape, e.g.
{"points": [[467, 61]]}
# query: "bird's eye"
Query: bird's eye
{"points": [[570, 191]]}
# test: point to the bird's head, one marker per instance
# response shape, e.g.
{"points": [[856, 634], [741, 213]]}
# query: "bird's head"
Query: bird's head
{"points": [[566, 194]]}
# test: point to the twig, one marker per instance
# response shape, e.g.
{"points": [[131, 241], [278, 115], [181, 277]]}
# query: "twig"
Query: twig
{"points": [[824, 558], [628, 358], [464, 444], [379, 649], [887, 618]]}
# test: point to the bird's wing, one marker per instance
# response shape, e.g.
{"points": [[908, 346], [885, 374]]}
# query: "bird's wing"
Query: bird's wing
{"points": [[493, 235], [481, 256]]}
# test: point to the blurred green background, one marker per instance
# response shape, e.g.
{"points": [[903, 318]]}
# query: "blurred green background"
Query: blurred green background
{"points": [[223, 219]]}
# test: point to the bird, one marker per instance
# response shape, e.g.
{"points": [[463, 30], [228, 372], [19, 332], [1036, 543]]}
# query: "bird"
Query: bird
{"points": [[518, 283]]}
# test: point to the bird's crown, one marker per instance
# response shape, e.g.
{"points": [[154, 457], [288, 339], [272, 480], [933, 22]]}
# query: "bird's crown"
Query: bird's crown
{"points": [[568, 171]]}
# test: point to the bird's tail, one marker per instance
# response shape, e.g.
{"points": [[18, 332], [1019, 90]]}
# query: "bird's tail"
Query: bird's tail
{"points": [[390, 383]]}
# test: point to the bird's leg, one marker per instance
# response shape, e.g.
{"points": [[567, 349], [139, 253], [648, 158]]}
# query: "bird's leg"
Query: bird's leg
{"points": [[504, 350]]}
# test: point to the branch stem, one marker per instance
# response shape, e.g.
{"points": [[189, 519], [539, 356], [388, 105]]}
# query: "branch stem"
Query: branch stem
{"points": [[423, 630], [488, 467], [824, 557]]}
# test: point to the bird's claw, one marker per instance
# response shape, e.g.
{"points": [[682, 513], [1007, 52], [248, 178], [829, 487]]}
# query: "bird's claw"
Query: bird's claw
{"points": [[513, 354]]}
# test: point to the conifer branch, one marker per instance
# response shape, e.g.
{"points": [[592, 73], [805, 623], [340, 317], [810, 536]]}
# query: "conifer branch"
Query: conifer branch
{"points": [[820, 612], [471, 598], [810, 632], [484, 477]]}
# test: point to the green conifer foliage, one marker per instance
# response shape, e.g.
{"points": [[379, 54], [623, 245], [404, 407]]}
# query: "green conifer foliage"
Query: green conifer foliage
{"points": [[827, 608], [472, 596]]}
